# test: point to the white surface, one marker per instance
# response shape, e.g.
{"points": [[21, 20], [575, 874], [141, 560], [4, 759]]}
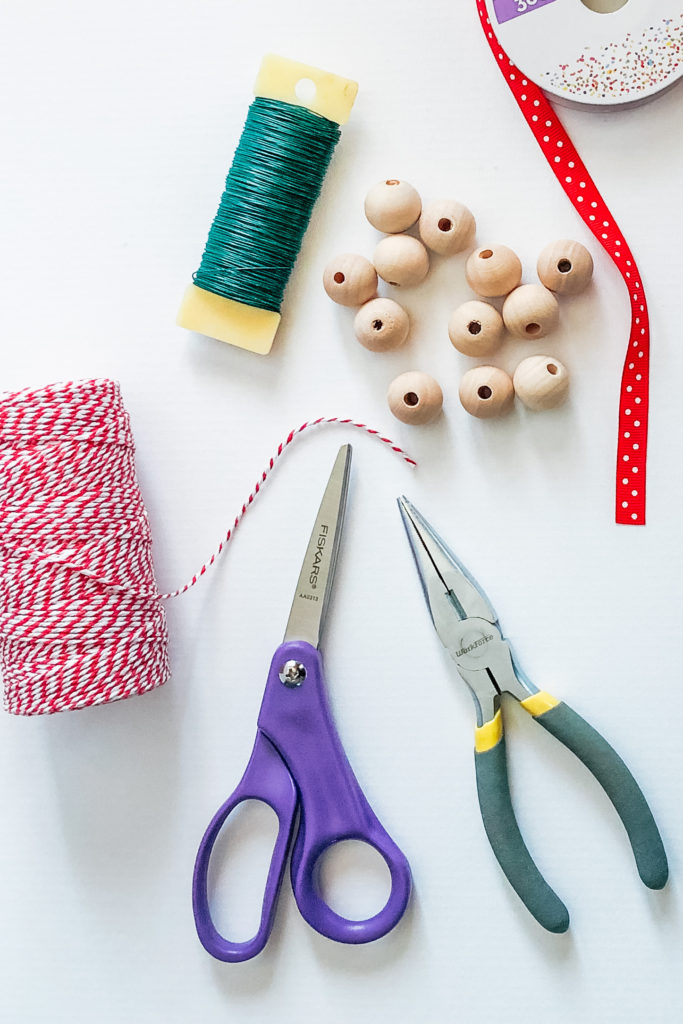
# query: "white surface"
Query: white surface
{"points": [[118, 124]]}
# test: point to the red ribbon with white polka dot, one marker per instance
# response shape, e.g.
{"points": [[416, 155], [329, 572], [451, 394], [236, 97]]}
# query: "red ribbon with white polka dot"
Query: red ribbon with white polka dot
{"points": [[574, 178]]}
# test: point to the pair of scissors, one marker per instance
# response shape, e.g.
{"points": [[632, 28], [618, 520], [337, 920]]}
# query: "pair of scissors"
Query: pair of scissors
{"points": [[468, 628], [298, 767]]}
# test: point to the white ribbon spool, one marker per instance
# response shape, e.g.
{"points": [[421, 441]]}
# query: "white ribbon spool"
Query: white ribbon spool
{"points": [[585, 52]]}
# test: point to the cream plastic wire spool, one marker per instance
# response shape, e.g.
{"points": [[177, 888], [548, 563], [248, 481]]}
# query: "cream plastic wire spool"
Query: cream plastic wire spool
{"points": [[582, 53], [213, 311]]}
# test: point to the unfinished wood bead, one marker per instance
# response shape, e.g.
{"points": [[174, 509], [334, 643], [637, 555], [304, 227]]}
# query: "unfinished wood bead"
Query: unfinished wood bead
{"points": [[486, 391], [541, 382], [350, 279], [381, 324], [415, 398], [401, 260], [476, 328], [531, 311], [392, 205], [446, 226], [565, 267], [493, 270]]}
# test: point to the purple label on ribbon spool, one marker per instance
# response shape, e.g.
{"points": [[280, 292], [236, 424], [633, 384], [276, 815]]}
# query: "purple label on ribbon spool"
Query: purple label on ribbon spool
{"points": [[506, 10]]}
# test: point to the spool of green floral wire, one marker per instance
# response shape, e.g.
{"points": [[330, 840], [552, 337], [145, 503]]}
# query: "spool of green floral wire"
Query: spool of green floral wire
{"points": [[270, 191]]}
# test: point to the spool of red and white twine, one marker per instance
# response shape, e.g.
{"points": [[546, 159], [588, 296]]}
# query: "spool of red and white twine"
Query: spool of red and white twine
{"points": [[81, 619]]}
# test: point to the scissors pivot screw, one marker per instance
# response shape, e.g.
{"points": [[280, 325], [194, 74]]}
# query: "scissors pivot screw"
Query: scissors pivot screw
{"points": [[292, 673]]}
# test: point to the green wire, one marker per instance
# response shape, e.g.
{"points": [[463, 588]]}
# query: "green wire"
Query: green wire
{"points": [[276, 176]]}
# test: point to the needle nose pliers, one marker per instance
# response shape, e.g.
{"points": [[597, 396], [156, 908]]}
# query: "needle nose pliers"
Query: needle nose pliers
{"points": [[468, 627]]}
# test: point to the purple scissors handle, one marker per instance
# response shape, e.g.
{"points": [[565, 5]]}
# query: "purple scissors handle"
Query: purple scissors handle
{"points": [[266, 778], [298, 759]]}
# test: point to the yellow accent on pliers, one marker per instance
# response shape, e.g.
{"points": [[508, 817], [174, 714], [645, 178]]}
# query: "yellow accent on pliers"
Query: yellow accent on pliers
{"points": [[539, 703], [486, 736]]}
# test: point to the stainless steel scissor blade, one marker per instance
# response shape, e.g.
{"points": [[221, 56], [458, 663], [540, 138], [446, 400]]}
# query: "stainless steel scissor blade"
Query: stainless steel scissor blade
{"points": [[311, 598]]}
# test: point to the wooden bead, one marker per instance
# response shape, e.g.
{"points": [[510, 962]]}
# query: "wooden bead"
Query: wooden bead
{"points": [[565, 267], [493, 270], [415, 398], [350, 279], [531, 311], [446, 227], [392, 206], [381, 324], [541, 382], [476, 328], [486, 391], [401, 260]]}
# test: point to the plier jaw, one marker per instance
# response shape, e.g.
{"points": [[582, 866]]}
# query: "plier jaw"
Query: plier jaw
{"points": [[450, 592], [463, 617]]}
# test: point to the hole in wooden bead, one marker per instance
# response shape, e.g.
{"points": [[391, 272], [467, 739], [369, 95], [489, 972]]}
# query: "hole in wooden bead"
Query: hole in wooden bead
{"points": [[551, 368], [532, 328], [395, 284], [486, 254], [474, 327], [445, 224], [484, 391], [564, 266], [377, 325], [392, 181], [411, 398], [339, 277]]}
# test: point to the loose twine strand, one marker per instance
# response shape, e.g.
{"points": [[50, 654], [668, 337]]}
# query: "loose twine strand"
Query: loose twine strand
{"points": [[81, 618]]}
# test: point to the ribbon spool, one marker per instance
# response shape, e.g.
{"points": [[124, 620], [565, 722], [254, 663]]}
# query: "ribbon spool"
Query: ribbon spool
{"points": [[276, 176], [576, 51], [596, 54]]}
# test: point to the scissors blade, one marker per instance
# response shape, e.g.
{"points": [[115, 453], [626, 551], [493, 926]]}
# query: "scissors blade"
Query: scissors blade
{"points": [[449, 590], [311, 598]]}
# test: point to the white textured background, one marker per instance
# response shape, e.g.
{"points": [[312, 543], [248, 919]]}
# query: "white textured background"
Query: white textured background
{"points": [[118, 124]]}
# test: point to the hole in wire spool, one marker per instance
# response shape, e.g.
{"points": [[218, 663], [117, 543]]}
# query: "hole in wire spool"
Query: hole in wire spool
{"points": [[239, 868], [305, 90], [353, 879]]}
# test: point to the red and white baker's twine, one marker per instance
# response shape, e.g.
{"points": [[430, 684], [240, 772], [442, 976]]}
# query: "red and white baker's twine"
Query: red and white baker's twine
{"points": [[281, 448], [571, 172], [81, 618]]}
